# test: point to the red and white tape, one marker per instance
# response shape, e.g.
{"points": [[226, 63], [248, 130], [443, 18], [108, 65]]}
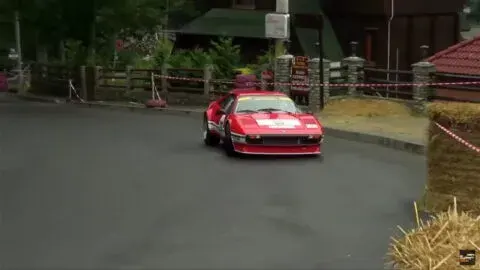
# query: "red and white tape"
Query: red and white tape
{"points": [[72, 89], [174, 78], [458, 139]]}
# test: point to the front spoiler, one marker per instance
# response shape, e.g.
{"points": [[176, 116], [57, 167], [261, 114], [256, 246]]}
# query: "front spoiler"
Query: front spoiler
{"points": [[277, 150]]}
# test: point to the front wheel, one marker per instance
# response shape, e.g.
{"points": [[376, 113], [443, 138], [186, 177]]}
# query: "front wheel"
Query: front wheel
{"points": [[228, 143], [208, 138]]}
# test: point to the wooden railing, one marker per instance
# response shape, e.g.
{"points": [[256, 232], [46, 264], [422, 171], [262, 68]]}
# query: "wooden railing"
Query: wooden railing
{"points": [[52, 79], [383, 76], [462, 93]]}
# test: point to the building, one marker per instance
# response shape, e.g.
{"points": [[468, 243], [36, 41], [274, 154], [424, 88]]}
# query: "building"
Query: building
{"points": [[458, 63], [245, 20], [389, 32]]}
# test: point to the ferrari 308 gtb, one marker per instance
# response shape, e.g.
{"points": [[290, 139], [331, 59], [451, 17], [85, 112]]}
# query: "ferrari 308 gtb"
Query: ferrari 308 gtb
{"points": [[261, 123]]}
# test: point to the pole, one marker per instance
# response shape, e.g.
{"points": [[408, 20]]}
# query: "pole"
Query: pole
{"points": [[320, 69], [19, 52]]}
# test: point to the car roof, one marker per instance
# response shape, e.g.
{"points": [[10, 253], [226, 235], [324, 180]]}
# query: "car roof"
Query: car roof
{"points": [[245, 92]]}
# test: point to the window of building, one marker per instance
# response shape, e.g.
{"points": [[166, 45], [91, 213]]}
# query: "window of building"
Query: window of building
{"points": [[244, 4]]}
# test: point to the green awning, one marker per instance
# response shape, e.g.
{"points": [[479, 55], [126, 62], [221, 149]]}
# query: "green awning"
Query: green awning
{"points": [[228, 22], [304, 7], [331, 45]]}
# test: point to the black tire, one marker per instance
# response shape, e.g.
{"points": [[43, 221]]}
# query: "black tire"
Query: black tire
{"points": [[227, 143], [208, 138]]}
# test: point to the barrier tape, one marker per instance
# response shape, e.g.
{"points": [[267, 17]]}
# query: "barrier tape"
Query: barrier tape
{"points": [[72, 89], [321, 84], [458, 139]]}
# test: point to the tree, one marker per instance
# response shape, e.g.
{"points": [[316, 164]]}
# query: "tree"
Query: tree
{"points": [[95, 23]]}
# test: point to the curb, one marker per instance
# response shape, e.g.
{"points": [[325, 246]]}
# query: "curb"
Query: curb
{"points": [[411, 147], [391, 143], [40, 99], [138, 107]]}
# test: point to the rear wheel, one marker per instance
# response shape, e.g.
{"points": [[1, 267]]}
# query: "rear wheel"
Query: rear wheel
{"points": [[209, 138]]}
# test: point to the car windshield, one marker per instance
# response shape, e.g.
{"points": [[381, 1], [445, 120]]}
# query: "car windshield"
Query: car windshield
{"points": [[249, 104]]}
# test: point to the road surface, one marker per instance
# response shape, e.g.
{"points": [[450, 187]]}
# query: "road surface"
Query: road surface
{"points": [[89, 189]]}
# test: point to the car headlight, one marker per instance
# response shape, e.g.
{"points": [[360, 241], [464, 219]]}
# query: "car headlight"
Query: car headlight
{"points": [[312, 126], [238, 138]]}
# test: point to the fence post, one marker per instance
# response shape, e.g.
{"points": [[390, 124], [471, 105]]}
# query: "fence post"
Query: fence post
{"points": [[98, 75], [83, 82], [422, 75], [326, 80], [314, 82], [354, 65], [128, 75], [207, 77], [164, 81], [283, 72]]}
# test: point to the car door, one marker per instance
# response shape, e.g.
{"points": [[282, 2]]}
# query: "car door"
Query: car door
{"points": [[226, 107]]}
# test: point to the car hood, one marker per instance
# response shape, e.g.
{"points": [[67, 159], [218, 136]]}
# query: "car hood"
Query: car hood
{"points": [[282, 122]]}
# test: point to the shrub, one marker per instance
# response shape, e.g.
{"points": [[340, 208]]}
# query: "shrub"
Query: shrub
{"points": [[197, 58], [225, 57]]}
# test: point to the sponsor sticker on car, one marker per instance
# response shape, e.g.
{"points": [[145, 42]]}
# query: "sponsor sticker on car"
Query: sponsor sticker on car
{"points": [[285, 123]]}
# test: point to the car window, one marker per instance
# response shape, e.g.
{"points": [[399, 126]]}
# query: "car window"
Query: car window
{"points": [[226, 101], [228, 108]]}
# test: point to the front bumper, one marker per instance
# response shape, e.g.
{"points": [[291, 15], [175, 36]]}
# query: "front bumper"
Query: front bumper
{"points": [[277, 144], [277, 150]]}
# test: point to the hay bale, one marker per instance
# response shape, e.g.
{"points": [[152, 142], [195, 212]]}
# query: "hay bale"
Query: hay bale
{"points": [[435, 244], [453, 168]]}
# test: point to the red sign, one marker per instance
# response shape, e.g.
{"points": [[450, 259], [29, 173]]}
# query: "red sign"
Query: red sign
{"points": [[118, 45], [3, 82], [267, 75], [300, 74]]}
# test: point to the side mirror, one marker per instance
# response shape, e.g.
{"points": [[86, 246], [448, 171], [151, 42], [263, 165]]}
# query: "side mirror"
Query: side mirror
{"points": [[220, 112]]}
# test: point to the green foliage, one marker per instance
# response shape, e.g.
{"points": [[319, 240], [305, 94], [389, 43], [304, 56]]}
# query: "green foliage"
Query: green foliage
{"points": [[225, 57], [197, 58], [264, 62], [94, 23], [74, 52], [162, 51]]}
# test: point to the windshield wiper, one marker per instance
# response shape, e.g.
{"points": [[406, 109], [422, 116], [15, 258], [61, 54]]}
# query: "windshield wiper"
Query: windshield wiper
{"points": [[247, 111], [270, 110]]}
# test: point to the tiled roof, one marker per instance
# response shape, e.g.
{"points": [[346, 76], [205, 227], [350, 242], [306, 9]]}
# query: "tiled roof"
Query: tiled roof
{"points": [[462, 58]]}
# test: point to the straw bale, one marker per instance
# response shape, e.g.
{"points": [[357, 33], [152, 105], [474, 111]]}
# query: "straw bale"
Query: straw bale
{"points": [[455, 113], [453, 168], [435, 244]]}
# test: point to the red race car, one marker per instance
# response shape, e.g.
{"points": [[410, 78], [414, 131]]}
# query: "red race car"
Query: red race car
{"points": [[261, 123]]}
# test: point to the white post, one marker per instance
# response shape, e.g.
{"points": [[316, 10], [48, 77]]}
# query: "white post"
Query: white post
{"points": [[19, 52], [152, 81]]}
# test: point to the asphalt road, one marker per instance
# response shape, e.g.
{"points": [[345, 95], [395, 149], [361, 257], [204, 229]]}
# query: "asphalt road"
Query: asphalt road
{"points": [[90, 189]]}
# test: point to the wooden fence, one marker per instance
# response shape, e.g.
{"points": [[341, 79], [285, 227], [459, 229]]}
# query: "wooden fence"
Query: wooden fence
{"points": [[382, 76], [462, 93], [136, 84], [467, 93], [98, 83]]}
